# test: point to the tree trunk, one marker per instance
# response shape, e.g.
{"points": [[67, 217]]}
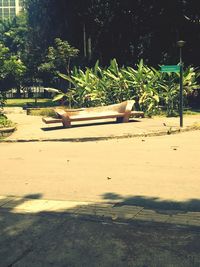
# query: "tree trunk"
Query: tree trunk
{"points": [[18, 95], [84, 41], [89, 48]]}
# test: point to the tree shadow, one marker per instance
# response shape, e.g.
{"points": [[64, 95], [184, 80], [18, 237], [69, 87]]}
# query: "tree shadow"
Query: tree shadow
{"points": [[154, 203], [73, 239], [12, 201], [54, 128]]}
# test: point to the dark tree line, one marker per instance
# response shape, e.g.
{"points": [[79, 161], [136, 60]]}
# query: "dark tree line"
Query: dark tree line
{"points": [[123, 29]]}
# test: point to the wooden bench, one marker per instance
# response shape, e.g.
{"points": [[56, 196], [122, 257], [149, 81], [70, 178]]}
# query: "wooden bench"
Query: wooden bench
{"points": [[121, 112]]}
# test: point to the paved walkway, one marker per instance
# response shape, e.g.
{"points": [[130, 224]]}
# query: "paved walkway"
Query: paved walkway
{"points": [[99, 211], [31, 128], [46, 238]]}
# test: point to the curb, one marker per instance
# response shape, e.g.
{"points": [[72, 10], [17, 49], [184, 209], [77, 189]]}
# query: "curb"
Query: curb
{"points": [[102, 138]]}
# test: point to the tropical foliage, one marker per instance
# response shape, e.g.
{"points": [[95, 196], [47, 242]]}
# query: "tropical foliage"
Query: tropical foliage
{"points": [[39, 46], [169, 89], [12, 69], [150, 88]]}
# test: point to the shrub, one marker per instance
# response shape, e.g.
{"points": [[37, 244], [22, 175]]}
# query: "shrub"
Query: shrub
{"points": [[4, 122], [45, 112], [149, 87]]}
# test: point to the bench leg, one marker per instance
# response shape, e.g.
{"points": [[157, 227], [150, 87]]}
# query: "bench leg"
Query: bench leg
{"points": [[122, 119], [66, 122], [125, 119], [119, 120]]}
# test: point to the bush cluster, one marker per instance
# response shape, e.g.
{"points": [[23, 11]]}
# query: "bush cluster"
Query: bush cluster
{"points": [[151, 89]]}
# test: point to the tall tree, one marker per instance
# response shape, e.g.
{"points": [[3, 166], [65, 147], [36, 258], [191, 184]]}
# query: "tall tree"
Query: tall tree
{"points": [[125, 29]]}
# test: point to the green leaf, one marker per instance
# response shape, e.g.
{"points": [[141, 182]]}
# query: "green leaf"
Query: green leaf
{"points": [[156, 97], [108, 73], [58, 97], [87, 76], [53, 90], [66, 77], [96, 67], [114, 66]]}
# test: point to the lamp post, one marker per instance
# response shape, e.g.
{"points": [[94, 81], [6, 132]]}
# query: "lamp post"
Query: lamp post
{"points": [[180, 44]]}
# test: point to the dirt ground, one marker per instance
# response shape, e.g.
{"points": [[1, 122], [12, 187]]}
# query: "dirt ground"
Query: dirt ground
{"points": [[156, 168]]}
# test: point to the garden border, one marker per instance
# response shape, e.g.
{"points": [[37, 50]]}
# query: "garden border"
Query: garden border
{"points": [[6, 131]]}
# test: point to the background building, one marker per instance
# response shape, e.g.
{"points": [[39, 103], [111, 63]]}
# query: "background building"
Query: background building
{"points": [[10, 8]]}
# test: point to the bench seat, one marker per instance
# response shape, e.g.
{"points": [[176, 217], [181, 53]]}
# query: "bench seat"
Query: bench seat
{"points": [[122, 112], [85, 117], [49, 120]]}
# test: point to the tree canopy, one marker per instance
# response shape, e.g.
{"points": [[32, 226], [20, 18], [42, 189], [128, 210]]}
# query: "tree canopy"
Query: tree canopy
{"points": [[47, 37], [124, 29]]}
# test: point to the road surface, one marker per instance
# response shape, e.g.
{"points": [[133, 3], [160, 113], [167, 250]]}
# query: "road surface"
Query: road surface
{"points": [[163, 168]]}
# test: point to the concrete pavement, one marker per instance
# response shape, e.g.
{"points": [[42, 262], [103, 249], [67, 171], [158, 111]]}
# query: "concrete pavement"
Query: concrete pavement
{"points": [[44, 233], [99, 211], [45, 239], [31, 128]]}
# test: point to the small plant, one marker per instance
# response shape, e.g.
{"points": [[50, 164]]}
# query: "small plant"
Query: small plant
{"points": [[4, 122]]}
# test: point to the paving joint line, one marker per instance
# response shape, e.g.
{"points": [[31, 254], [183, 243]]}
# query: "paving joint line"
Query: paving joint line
{"points": [[1, 205], [138, 212], [20, 257], [95, 212]]}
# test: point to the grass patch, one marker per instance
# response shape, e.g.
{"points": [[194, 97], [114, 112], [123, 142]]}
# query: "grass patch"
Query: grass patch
{"points": [[4, 122], [31, 101], [192, 112], [195, 126], [45, 112], [176, 114]]}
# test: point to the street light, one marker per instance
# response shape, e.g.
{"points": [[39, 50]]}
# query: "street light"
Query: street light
{"points": [[180, 44]]}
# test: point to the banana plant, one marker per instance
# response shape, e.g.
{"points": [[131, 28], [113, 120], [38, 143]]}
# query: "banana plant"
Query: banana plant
{"points": [[117, 85], [147, 86], [88, 90], [62, 97], [170, 86], [169, 92], [143, 81]]}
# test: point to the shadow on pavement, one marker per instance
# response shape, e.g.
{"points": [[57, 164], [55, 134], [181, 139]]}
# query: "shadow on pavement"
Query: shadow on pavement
{"points": [[85, 125], [59, 239], [153, 203]]}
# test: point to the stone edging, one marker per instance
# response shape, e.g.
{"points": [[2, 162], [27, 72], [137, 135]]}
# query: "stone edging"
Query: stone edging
{"points": [[102, 138], [4, 132]]}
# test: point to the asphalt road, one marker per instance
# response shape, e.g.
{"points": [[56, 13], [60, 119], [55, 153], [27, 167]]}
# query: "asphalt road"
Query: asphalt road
{"points": [[154, 168]]}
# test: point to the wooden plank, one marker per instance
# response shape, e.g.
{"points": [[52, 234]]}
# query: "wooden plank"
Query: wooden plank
{"points": [[51, 120], [86, 117], [137, 114]]}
